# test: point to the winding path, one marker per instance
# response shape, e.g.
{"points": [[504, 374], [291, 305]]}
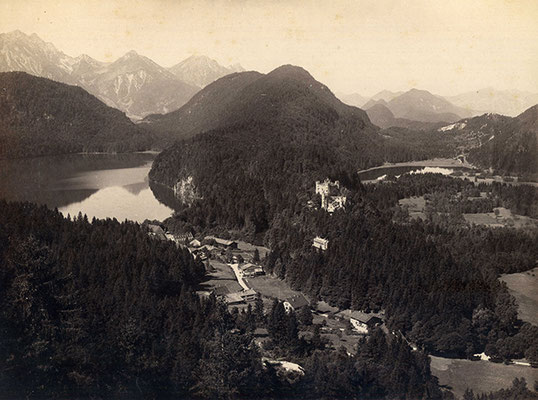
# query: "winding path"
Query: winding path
{"points": [[235, 268]]}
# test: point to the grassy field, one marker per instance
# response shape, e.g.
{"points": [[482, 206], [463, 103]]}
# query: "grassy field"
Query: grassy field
{"points": [[271, 287], [249, 248], [222, 276], [480, 376], [413, 203], [504, 219], [524, 287]]}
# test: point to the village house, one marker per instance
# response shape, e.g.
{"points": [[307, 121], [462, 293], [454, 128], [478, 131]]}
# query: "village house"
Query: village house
{"points": [[295, 303], [250, 270], [185, 237], [234, 299], [361, 322], [320, 243], [249, 295], [221, 291], [224, 243]]}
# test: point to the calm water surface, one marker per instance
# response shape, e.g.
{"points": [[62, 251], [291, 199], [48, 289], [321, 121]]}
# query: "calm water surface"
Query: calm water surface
{"points": [[98, 185]]}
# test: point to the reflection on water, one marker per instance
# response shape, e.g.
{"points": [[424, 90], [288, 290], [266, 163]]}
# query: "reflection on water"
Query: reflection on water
{"points": [[166, 196], [98, 185], [433, 170]]}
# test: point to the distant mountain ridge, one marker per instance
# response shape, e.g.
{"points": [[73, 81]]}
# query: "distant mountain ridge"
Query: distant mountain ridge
{"points": [[133, 83], [421, 105], [489, 100], [353, 99], [383, 117], [473, 103], [39, 116]]}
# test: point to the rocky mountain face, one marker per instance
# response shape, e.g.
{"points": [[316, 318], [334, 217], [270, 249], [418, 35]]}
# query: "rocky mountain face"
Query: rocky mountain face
{"points": [[20, 52], [39, 116], [133, 83], [200, 71], [138, 86]]}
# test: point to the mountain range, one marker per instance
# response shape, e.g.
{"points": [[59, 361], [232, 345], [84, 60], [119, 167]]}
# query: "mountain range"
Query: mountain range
{"points": [[422, 106], [39, 116], [133, 83]]}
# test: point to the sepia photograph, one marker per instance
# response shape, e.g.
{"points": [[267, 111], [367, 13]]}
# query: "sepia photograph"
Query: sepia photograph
{"points": [[269, 199]]}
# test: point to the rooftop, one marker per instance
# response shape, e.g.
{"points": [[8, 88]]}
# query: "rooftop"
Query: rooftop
{"points": [[297, 301], [358, 315]]}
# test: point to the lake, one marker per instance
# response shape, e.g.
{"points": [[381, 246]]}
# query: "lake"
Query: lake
{"points": [[98, 185]]}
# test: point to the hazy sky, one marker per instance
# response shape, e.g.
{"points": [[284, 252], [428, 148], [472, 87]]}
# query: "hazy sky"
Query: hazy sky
{"points": [[445, 46]]}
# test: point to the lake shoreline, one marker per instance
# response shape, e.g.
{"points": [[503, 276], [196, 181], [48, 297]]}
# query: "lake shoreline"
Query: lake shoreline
{"points": [[433, 162]]}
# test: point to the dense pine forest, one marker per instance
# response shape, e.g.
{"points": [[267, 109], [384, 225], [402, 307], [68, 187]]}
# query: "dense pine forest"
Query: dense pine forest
{"points": [[99, 309]]}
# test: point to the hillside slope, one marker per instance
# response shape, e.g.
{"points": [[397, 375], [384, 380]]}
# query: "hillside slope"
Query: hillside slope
{"points": [[39, 116], [514, 147]]}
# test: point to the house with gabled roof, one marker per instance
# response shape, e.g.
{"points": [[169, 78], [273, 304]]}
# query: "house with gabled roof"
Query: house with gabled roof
{"points": [[295, 303]]}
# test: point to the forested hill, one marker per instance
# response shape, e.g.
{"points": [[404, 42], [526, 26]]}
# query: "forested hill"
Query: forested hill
{"points": [[39, 116], [286, 93], [514, 149], [286, 100]]}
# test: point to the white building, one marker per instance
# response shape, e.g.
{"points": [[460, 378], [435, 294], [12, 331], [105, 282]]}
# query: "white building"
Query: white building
{"points": [[320, 243]]}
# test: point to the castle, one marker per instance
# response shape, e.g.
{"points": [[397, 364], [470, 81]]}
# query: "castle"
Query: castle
{"points": [[330, 192]]}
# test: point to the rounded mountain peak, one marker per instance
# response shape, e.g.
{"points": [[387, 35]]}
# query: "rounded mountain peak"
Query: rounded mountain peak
{"points": [[291, 71]]}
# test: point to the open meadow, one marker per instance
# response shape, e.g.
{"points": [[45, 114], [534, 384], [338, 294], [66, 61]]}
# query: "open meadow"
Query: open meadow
{"points": [[480, 376], [524, 287]]}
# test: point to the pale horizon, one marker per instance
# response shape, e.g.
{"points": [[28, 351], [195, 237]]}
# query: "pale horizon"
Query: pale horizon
{"points": [[351, 46]]}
